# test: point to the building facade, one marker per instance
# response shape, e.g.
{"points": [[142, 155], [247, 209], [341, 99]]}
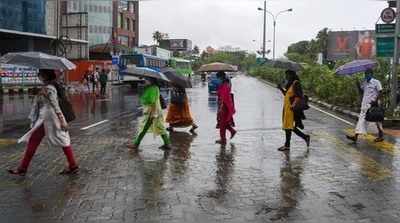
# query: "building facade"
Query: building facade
{"points": [[23, 15], [100, 18], [126, 17]]}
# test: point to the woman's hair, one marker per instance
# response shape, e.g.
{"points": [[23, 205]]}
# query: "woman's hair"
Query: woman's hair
{"points": [[222, 76], [292, 77], [47, 75]]}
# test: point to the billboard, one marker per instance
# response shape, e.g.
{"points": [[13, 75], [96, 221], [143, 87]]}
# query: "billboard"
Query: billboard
{"points": [[18, 75], [177, 44], [351, 44]]}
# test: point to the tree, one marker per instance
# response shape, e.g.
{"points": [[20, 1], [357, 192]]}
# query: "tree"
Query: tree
{"points": [[158, 36]]}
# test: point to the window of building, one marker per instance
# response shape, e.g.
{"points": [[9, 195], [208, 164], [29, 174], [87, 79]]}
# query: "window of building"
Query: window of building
{"points": [[133, 25], [128, 24], [120, 21]]}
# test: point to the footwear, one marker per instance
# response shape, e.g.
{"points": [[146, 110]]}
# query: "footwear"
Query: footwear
{"points": [[165, 147], [194, 127], [233, 134], [170, 129], [352, 138], [222, 142], [308, 140], [283, 148], [70, 171], [17, 172], [379, 139], [132, 146]]}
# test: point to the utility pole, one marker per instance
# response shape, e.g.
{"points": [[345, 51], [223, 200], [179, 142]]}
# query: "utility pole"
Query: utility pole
{"points": [[265, 25], [274, 44], [394, 85]]}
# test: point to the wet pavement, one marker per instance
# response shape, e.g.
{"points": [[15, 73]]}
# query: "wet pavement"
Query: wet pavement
{"points": [[198, 181]]}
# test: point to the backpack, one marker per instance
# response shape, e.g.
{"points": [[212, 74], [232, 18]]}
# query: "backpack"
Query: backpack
{"points": [[64, 103]]}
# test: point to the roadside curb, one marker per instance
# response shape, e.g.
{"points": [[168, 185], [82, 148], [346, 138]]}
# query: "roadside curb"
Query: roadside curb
{"points": [[391, 123]]}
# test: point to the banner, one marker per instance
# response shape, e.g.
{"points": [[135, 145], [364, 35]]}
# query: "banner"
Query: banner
{"points": [[351, 45], [18, 75]]}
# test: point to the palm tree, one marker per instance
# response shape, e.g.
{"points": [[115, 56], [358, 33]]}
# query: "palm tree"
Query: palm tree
{"points": [[157, 37]]}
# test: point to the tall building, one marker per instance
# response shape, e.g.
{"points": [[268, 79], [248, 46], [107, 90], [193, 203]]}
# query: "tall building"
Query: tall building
{"points": [[126, 23], [23, 15], [100, 18]]}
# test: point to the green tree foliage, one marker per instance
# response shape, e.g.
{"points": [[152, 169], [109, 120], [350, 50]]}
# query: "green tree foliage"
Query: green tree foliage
{"points": [[242, 59], [158, 36]]}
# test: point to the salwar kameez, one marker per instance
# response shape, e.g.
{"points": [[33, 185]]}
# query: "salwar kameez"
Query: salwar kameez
{"points": [[153, 120], [226, 110]]}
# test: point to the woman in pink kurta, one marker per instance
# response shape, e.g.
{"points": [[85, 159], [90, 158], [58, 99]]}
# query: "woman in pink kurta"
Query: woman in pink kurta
{"points": [[226, 109]]}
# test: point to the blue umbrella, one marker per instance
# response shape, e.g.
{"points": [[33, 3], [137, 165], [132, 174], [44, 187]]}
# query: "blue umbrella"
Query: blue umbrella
{"points": [[356, 66]]}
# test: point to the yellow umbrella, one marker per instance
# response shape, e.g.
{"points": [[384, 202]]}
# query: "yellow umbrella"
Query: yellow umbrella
{"points": [[215, 67]]}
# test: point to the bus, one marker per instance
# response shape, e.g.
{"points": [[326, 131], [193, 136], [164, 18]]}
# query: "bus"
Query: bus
{"points": [[139, 60], [183, 67]]}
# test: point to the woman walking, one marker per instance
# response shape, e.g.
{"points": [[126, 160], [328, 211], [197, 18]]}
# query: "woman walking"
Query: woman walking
{"points": [[47, 119], [292, 120], [226, 109], [153, 117], [179, 115]]}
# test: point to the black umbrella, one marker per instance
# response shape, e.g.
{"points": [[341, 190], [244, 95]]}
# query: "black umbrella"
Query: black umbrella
{"points": [[176, 79]]}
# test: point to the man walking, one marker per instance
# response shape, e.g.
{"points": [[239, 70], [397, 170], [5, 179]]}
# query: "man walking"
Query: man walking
{"points": [[103, 82], [371, 89], [95, 79]]}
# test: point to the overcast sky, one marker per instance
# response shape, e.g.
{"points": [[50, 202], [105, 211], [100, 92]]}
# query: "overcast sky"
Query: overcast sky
{"points": [[237, 22]]}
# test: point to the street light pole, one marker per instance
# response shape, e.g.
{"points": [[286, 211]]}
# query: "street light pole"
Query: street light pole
{"points": [[265, 26], [394, 89]]}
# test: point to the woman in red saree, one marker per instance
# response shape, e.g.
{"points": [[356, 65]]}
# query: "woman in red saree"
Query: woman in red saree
{"points": [[226, 109]]}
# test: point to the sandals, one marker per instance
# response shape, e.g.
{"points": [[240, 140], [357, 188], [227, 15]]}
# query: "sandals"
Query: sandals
{"points": [[222, 142], [70, 171], [379, 139], [165, 147], [132, 146], [21, 173], [283, 148]]}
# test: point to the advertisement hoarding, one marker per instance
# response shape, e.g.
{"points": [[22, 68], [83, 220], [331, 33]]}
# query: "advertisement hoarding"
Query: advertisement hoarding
{"points": [[18, 75], [351, 44]]}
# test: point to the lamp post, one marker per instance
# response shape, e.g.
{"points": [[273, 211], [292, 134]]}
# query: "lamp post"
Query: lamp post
{"points": [[265, 24], [274, 17]]}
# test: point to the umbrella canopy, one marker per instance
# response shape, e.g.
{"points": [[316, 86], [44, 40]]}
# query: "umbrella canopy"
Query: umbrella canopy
{"points": [[356, 66], [145, 72], [285, 64], [215, 67], [37, 60], [176, 78]]}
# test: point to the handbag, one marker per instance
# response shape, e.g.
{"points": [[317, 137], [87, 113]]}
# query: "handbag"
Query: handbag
{"points": [[64, 103], [375, 114], [301, 104], [163, 103], [178, 97]]}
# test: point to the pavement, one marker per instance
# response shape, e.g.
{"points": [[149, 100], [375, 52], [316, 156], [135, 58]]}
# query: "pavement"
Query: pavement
{"points": [[199, 181]]}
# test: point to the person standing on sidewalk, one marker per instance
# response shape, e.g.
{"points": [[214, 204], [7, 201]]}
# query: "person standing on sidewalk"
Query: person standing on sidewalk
{"points": [[291, 120], [86, 80], [226, 109], [371, 90], [47, 119], [153, 119], [103, 82], [95, 80]]}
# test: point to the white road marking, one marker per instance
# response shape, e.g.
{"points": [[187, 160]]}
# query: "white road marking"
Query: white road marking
{"points": [[331, 115], [94, 125]]}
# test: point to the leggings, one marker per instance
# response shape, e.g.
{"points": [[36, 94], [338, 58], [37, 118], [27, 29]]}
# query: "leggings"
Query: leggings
{"points": [[147, 126], [289, 135], [33, 144]]}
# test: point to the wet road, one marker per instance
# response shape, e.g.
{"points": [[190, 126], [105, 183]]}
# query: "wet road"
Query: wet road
{"points": [[198, 181]]}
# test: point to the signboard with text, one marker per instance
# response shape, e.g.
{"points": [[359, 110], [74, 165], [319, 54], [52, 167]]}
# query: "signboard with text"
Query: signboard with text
{"points": [[351, 45], [18, 75]]}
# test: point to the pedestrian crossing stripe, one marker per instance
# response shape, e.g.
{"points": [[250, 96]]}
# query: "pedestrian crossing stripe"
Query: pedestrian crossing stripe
{"points": [[367, 166], [383, 146], [6, 142]]}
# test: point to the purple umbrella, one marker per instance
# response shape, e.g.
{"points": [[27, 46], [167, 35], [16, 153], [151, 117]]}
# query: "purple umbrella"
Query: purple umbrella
{"points": [[356, 66]]}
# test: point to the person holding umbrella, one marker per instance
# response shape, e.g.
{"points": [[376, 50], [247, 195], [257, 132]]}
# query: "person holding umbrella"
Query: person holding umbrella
{"points": [[226, 108], [371, 89], [153, 119], [291, 117], [47, 119], [179, 115]]}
